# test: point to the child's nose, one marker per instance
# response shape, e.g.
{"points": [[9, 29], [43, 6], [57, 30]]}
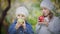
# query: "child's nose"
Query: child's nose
{"points": [[43, 10], [20, 16]]}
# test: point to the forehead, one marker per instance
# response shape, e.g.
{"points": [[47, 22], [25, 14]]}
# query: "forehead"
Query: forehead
{"points": [[44, 8], [21, 15]]}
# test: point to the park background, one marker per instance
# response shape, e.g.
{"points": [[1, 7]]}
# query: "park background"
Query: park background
{"points": [[7, 12]]}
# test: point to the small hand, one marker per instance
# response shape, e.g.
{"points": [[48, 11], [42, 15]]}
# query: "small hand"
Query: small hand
{"points": [[45, 22], [24, 25], [17, 25], [40, 22]]}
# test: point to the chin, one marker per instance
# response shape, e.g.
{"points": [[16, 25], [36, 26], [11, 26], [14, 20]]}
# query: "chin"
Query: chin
{"points": [[45, 15]]}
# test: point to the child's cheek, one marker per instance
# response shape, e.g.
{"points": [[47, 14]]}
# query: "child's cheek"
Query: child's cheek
{"points": [[24, 18], [18, 17]]}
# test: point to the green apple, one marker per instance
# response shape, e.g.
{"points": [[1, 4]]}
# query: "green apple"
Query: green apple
{"points": [[20, 20]]}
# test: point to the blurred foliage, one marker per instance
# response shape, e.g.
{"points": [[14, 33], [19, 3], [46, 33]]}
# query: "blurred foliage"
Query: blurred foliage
{"points": [[3, 30], [4, 4]]}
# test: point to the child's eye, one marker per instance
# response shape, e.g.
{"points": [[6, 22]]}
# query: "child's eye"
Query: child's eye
{"points": [[18, 15], [45, 8], [23, 16]]}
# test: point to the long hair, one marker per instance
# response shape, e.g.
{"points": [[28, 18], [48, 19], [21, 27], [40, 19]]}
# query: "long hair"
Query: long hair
{"points": [[50, 14]]}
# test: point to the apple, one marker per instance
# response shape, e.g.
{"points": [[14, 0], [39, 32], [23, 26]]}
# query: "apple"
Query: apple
{"points": [[41, 18], [20, 20]]}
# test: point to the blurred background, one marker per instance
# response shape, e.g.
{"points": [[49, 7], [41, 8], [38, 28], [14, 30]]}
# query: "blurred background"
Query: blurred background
{"points": [[7, 11]]}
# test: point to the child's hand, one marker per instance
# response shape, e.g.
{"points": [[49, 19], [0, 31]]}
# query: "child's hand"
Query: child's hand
{"points": [[44, 22], [40, 22], [17, 25], [24, 25]]}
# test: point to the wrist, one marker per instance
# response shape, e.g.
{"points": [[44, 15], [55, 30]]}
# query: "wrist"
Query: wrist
{"points": [[24, 27], [16, 27]]}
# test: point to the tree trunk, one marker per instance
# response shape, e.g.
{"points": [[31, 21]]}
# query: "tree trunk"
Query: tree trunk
{"points": [[3, 13]]}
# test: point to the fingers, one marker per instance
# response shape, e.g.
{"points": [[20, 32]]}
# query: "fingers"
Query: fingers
{"points": [[17, 25], [24, 25]]}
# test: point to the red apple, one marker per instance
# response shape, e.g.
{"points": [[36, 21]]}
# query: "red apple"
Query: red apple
{"points": [[41, 18]]}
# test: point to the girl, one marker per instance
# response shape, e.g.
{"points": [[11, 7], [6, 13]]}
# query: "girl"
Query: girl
{"points": [[20, 25]]}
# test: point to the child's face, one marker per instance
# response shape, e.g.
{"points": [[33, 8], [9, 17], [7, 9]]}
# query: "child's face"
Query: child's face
{"points": [[21, 16], [45, 11]]}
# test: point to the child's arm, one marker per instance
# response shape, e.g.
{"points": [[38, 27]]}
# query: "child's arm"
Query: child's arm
{"points": [[12, 29], [38, 26], [55, 28]]}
